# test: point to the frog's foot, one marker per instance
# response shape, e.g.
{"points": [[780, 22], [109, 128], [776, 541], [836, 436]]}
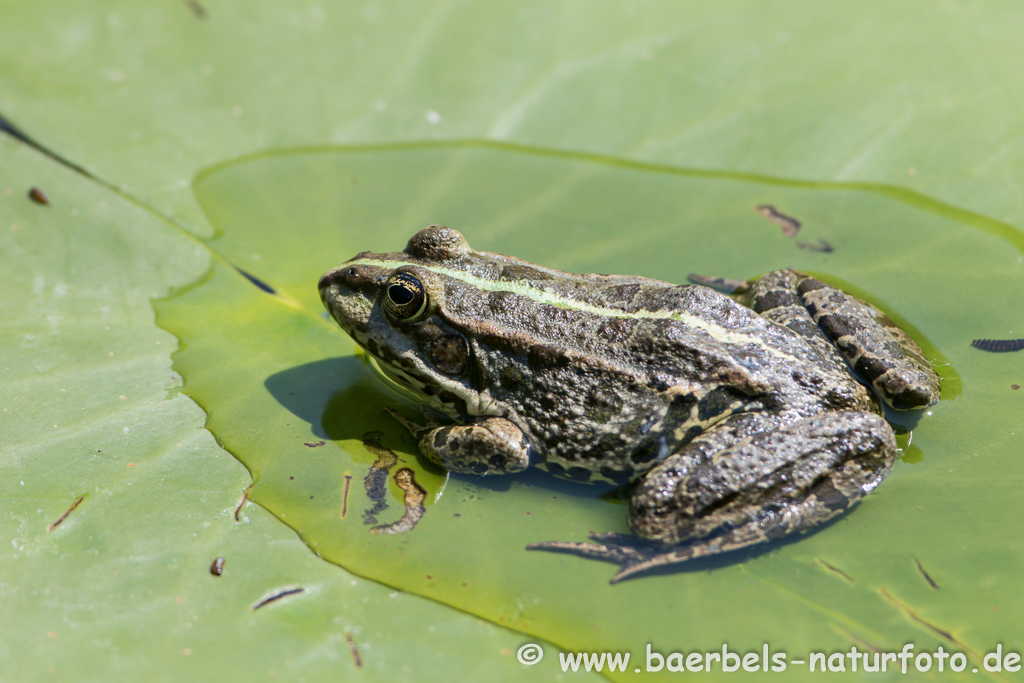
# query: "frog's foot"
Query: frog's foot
{"points": [[493, 445], [870, 343], [625, 554], [635, 556]]}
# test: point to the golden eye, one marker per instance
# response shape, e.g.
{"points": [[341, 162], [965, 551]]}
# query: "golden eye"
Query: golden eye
{"points": [[404, 297]]}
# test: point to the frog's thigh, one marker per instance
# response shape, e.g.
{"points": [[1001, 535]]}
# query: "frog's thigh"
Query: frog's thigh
{"points": [[492, 446], [764, 486]]}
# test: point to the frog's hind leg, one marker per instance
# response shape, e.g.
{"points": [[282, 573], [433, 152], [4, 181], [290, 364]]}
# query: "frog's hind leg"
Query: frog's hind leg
{"points": [[829, 499], [741, 484], [633, 559], [870, 343]]}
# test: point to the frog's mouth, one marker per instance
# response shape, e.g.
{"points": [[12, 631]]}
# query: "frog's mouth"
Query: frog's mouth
{"points": [[412, 387], [354, 314]]}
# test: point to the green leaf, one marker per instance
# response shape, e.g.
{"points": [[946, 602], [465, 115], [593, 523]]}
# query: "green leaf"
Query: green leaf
{"points": [[633, 138], [117, 501], [847, 584]]}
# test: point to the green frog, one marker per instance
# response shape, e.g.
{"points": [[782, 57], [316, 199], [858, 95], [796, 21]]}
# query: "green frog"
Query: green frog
{"points": [[738, 419]]}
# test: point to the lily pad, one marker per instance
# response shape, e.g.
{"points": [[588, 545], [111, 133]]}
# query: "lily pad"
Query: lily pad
{"points": [[910, 105], [860, 580]]}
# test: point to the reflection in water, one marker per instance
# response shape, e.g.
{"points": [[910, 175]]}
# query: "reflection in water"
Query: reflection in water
{"points": [[376, 480], [414, 509]]}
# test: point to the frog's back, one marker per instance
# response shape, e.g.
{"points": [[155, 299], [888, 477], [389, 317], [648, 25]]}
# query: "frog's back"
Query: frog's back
{"points": [[609, 374], [682, 331]]}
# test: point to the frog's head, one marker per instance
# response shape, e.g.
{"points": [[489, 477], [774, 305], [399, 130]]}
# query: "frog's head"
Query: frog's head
{"points": [[393, 305]]}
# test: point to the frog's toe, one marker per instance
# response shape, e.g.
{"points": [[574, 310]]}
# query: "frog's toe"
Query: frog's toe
{"points": [[653, 559], [413, 427], [623, 555], [633, 555]]}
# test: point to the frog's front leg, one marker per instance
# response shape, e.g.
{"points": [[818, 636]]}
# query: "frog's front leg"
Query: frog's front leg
{"points": [[493, 445], [871, 343], [744, 482]]}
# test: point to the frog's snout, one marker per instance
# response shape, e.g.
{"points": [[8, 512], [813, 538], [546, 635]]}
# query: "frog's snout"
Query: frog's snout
{"points": [[347, 279], [348, 292], [327, 279]]}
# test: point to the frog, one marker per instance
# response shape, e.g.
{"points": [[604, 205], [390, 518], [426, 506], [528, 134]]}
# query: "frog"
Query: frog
{"points": [[730, 419]]}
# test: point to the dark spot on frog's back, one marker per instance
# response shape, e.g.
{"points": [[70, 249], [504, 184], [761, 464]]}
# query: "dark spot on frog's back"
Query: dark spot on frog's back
{"points": [[872, 367], [715, 402], [679, 409], [836, 326], [809, 284], [511, 377], [518, 271], [692, 433], [912, 397]]}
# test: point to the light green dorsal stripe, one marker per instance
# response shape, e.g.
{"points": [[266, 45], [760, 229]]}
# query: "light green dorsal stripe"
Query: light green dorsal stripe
{"points": [[544, 297]]}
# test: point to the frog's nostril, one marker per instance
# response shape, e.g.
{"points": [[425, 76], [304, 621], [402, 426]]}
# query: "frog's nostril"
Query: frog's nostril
{"points": [[349, 275], [326, 280]]}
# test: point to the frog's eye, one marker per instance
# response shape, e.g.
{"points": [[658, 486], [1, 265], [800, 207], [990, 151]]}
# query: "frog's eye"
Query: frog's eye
{"points": [[404, 297]]}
